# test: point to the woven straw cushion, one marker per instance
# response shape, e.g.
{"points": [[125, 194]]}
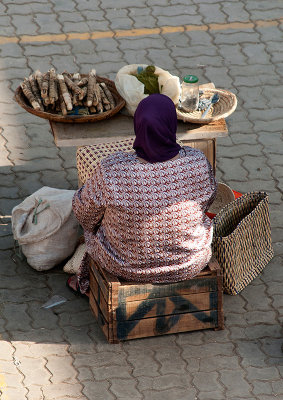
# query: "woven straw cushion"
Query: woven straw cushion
{"points": [[89, 156]]}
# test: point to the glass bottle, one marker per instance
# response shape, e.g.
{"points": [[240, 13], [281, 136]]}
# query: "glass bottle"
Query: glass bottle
{"points": [[190, 93]]}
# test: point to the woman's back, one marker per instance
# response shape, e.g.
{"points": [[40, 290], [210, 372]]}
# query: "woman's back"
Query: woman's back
{"points": [[154, 228]]}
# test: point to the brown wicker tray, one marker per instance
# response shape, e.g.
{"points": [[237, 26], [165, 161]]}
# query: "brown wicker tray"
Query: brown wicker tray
{"points": [[119, 101], [222, 109]]}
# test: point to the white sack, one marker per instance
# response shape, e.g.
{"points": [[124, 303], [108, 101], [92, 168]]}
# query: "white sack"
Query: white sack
{"points": [[132, 90], [55, 235]]}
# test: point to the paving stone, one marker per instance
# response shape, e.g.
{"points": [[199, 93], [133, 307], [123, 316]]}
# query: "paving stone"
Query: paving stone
{"points": [[207, 382], [80, 341], [161, 58], [28, 184], [41, 63], [200, 38], [265, 14], [65, 5], [24, 24], [32, 153], [125, 388], [47, 23], [216, 363], [251, 353], [272, 34], [73, 16], [153, 343], [43, 49], [216, 336], [170, 360], [82, 46], [176, 394], [78, 319], [110, 372], [42, 318], [262, 374], [151, 42], [61, 63], [271, 142], [235, 383], [40, 348], [164, 382], [232, 54], [34, 371], [8, 267], [102, 359], [98, 390], [277, 387], [94, 25], [14, 393], [34, 393], [233, 169], [21, 320], [38, 165], [219, 76], [39, 136], [5, 227], [208, 350], [195, 51], [92, 13], [278, 301], [257, 317], [209, 395], [61, 369], [141, 21], [143, 364], [131, 57], [7, 351], [57, 179], [84, 374], [235, 37], [195, 62], [25, 295], [212, 13], [62, 390]]}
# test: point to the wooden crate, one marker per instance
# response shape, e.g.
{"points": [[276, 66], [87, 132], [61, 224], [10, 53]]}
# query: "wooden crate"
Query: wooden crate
{"points": [[127, 310]]}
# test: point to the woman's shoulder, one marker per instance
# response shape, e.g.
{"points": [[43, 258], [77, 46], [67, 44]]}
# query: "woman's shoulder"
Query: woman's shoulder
{"points": [[116, 158], [189, 152]]}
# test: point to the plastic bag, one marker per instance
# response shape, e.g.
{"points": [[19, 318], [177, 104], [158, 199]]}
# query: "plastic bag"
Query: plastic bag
{"points": [[45, 227], [132, 90]]}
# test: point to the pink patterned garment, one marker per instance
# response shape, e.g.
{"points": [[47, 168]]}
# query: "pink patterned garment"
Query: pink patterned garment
{"points": [[146, 222]]}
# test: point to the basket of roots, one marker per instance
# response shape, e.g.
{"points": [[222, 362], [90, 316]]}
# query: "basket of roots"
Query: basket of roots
{"points": [[69, 97]]}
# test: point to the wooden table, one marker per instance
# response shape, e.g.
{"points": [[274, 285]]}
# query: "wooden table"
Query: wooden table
{"points": [[121, 127]]}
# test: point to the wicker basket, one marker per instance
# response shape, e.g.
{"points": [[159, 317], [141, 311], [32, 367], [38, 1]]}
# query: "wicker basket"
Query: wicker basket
{"points": [[242, 240], [119, 101], [222, 109]]}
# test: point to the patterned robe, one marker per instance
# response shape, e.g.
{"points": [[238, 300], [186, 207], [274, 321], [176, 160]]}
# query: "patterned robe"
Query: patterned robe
{"points": [[146, 222]]}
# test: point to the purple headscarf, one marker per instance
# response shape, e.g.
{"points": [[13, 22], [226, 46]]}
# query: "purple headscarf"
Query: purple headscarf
{"points": [[155, 123]]}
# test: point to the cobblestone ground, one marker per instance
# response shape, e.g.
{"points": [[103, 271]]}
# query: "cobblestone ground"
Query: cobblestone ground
{"points": [[60, 353]]}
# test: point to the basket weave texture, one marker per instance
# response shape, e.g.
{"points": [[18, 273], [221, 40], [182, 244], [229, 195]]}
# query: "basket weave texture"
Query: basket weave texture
{"points": [[222, 109], [242, 240], [88, 156], [119, 104]]}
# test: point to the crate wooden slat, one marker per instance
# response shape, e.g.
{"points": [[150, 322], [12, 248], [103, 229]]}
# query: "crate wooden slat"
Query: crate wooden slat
{"points": [[127, 310]]}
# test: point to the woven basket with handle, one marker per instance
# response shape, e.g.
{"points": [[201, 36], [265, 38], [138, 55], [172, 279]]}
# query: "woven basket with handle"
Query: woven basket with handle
{"points": [[242, 240]]}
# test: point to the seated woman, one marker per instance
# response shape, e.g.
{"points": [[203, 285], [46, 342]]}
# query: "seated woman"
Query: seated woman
{"points": [[143, 213]]}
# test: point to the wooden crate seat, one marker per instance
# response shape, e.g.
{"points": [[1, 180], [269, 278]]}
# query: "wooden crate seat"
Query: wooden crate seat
{"points": [[128, 310]]}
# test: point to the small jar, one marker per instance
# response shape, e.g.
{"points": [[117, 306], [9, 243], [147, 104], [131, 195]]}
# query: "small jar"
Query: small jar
{"points": [[190, 93]]}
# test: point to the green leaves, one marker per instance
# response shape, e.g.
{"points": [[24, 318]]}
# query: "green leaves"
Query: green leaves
{"points": [[149, 79]]}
